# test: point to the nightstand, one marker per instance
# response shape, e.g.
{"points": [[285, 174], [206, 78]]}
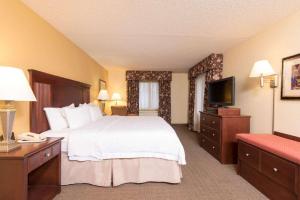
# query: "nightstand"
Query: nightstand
{"points": [[32, 171], [119, 110]]}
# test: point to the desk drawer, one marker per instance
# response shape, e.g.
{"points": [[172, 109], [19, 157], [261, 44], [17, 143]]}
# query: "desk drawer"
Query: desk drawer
{"points": [[211, 121], [210, 133], [279, 170], [249, 154], [210, 147], [42, 157]]}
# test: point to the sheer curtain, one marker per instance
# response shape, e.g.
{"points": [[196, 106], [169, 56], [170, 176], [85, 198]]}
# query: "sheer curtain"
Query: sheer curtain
{"points": [[199, 100], [148, 95]]}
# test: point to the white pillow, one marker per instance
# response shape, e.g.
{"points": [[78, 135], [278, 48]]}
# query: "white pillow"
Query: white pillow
{"points": [[78, 117], [94, 110], [55, 119]]}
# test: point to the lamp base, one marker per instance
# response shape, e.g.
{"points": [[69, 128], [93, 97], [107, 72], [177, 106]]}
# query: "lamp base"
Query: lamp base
{"points": [[8, 146]]}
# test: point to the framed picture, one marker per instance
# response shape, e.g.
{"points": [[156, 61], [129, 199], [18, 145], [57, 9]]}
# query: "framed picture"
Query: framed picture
{"points": [[290, 83], [102, 85]]}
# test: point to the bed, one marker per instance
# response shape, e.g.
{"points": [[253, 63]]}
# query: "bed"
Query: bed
{"points": [[130, 149]]}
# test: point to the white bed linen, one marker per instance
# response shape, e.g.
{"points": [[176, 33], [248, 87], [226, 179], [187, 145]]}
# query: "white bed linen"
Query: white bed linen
{"points": [[124, 137], [61, 133]]}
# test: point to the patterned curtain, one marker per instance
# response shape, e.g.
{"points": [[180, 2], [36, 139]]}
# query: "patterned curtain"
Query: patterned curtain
{"points": [[165, 100], [163, 77], [133, 98], [212, 66]]}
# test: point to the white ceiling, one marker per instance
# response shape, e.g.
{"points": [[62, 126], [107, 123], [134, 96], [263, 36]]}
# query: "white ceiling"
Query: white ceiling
{"points": [[159, 34]]}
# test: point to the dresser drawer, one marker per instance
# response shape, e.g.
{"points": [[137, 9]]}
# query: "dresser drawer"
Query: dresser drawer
{"points": [[279, 170], [42, 157], [210, 147], [210, 133], [249, 154], [211, 121]]}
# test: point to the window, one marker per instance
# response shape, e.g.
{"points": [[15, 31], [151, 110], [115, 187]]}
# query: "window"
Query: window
{"points": [[148, 96]]}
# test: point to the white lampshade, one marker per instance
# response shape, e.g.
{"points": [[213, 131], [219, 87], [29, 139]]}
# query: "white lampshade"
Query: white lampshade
{"points": [[14, 86], [116, 96], [262, 68], [103, 95]]}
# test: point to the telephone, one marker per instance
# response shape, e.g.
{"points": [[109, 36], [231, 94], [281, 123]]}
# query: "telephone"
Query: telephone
{"points": [[31, 137]]}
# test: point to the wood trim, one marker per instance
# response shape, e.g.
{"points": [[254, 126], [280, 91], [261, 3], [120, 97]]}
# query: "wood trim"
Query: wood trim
{"points": [[53, 91], [284, 135]]}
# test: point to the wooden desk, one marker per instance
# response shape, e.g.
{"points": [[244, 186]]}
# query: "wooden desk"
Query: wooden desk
{"points": [[31, 172]]}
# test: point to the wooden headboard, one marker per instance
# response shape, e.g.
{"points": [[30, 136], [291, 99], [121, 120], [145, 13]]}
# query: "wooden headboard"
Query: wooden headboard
{"points": [[53, 91]]}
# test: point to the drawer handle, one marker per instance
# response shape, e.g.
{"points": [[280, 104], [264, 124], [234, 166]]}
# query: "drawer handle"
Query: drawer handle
{"points": [[213, 122], [47, 155], [275, 169], [213, 135], [203, 129], [203, 118], [247, 154], [213, 147]]}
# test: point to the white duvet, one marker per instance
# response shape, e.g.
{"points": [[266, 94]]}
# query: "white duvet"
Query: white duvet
{"points": [[125, 137]]}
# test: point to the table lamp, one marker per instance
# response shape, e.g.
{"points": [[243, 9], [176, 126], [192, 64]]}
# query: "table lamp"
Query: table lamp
{"points": [[13, 87], [116, 97], [103, 96]]}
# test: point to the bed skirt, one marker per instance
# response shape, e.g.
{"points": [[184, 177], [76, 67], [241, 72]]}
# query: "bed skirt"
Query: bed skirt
{"points": [[114, 172]]}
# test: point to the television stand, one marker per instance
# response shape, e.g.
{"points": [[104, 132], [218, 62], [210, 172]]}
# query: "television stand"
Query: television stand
{"points": [[218, 133]]}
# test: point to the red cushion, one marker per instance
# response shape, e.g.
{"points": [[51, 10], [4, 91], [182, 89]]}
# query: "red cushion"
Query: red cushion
{"points": [[285, 148]]}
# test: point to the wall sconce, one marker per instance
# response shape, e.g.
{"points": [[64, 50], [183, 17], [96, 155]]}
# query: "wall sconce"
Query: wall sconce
{"points": [[265, 72]]}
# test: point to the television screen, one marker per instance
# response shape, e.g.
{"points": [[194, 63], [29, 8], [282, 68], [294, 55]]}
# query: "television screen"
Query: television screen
{"points": [[221, 92]]}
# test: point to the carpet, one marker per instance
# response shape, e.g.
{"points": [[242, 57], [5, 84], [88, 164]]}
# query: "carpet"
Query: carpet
{"points": [[203, 178]]}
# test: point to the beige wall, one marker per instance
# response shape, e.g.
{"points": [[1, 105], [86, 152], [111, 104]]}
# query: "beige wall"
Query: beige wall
{"points": [[276, 42], [27, 41], [179, 92], [116, 83], [179, 98]]}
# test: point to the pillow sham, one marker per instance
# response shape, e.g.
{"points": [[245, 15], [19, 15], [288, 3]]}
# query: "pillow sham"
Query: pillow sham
{"points": [[94, 111], [56, 117], [78, 117]]}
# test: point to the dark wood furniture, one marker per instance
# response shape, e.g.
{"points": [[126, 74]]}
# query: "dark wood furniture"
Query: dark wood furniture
{"points": [[119, 110], [53, 91], [274, 176], [217, 135], [31, 172]]}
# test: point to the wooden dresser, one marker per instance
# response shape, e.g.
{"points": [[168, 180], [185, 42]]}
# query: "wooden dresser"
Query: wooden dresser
{"points": [[217, 134], [31, 172]]}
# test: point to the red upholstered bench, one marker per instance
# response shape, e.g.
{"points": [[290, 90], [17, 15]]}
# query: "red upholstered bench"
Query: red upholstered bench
{"points": [[270, 163]]}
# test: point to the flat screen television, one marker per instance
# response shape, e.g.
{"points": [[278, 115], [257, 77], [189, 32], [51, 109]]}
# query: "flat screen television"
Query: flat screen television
{"points": [[222, 92]]}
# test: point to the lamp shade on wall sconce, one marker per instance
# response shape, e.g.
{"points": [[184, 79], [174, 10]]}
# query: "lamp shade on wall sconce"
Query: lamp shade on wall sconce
{"points": [[261, 69], [103, 95], [13, 87], [116, 97]]}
